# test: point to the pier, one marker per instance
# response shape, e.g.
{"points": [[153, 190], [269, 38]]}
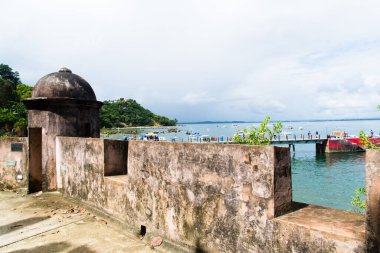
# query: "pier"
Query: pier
{"points": [[320, 143], [291, 140]]}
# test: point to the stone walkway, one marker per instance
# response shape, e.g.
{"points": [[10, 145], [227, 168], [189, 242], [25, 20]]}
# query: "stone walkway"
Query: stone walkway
{"points": [[49, 222]]}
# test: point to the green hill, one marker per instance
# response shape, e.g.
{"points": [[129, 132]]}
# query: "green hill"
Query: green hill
{"points": [[127, 112]]}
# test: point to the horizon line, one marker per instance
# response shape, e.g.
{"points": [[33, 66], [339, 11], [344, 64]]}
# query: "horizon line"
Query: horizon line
{"points": [[244, 121]]}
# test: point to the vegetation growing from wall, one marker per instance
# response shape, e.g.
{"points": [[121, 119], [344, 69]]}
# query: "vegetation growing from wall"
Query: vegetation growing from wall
{"points": [[127, 112], [358, 200], [359, 204], [366, 142], [261, 135], [13, 113]]}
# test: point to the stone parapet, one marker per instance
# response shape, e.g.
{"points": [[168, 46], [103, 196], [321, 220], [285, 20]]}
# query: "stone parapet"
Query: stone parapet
{"points": [[213, 197], [220, 196]]}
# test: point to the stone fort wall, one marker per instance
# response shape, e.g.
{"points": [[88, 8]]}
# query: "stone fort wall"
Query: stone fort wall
{"points": [[210, 197], [218, 198]]}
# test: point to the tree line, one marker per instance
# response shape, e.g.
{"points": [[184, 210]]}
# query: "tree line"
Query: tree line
{"points": [[127, 112]]}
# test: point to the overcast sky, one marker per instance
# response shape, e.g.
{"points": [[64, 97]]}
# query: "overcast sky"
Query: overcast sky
{"points": [[206, 60]]}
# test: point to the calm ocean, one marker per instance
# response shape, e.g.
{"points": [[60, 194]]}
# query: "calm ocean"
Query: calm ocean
{"points": [[327, 180]]}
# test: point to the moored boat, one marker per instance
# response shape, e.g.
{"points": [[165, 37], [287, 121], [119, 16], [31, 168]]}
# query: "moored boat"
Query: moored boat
{"points": [[341, 141]]}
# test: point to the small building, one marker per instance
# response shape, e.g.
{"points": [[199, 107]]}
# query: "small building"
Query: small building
{"points": [[62, 104]]}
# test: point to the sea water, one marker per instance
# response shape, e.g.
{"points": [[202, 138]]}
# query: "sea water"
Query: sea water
{"points": [[321, 179], [326, 179]]}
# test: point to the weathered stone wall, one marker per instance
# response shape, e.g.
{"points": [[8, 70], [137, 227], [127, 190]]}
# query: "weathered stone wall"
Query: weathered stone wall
{"points": [[80, 168], [373, 200], [219, 196], [216, 197], [13, 163]]}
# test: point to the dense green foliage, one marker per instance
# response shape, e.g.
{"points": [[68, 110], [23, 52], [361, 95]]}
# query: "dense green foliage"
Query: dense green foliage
{"points": [[358, 203], [261, 135], [7, 73], [23, 91], [7, 92], [13, 114], [127, 112]]}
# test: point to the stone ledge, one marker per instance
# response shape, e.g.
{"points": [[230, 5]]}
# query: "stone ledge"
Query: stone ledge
{"points": [[337, 223], [118, 179]]}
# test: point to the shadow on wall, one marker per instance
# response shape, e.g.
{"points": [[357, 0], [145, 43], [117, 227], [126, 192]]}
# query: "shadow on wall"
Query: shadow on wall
{"points": [[115, 157], [199, 248]]}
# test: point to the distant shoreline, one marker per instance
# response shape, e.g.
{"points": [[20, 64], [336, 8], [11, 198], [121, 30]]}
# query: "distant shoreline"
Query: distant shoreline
{"points": [[232, 122], [240, 122]]}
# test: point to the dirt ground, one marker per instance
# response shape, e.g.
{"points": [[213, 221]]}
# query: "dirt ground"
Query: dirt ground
{"points": [[49, 222]]}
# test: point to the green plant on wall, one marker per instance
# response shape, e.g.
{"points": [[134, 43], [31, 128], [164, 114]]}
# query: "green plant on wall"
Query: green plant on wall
{"points": [[261, 135], [366, 142], [358, 202]]}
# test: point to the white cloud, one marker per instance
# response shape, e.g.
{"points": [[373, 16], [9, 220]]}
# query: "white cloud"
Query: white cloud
{"points": [[218, 60], [194, 98]]}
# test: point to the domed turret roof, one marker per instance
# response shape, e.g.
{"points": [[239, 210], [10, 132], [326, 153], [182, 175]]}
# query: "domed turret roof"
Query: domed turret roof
{"points": [[63, 84]]}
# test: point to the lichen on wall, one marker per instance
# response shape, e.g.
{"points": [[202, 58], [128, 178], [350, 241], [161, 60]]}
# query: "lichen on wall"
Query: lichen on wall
{"points": [[212, 197], [80, 166], [13, 163], [217, 196]]}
